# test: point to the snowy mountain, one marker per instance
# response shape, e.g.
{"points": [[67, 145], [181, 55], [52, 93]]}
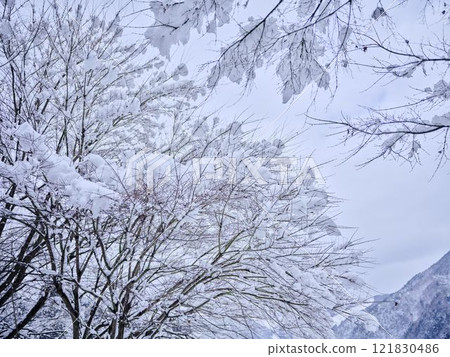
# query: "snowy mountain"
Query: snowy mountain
{"points": [[421, 309]]}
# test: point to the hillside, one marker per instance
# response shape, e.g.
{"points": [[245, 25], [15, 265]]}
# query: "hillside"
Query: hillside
{"points": [[421, 309]]}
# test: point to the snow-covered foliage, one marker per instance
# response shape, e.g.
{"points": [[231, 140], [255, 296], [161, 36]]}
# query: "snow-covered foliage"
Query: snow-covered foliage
{"points": [[85, 255], [302, 37]]}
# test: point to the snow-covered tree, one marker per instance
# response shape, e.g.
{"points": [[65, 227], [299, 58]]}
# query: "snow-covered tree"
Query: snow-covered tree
{"points": [[84, 254]]}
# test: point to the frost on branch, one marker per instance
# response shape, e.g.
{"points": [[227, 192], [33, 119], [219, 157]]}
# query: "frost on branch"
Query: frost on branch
{"points": [[402, 134]]}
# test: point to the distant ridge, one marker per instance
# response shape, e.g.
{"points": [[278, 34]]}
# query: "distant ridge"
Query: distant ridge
{"points": [[421, 309]]}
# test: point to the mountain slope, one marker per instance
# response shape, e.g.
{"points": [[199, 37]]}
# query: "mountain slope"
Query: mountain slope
{"points": [[421, 309]]}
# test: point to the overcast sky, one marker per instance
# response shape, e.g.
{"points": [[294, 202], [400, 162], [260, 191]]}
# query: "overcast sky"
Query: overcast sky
{"points": [[403, 212]]}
